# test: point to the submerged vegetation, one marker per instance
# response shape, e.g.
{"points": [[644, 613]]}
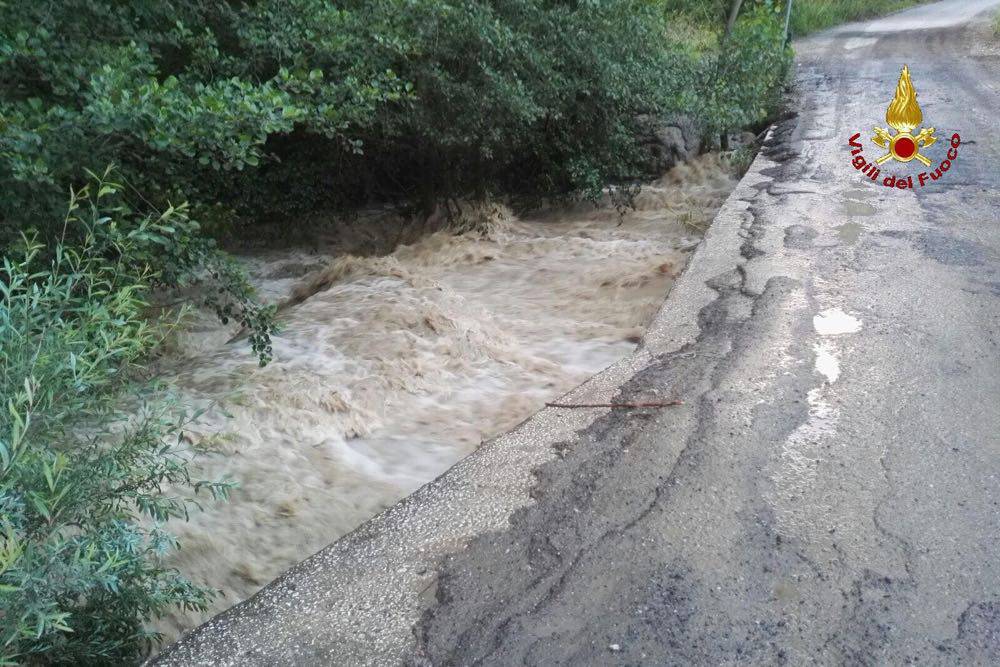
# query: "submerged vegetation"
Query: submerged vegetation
{"points": [[218, 115]]}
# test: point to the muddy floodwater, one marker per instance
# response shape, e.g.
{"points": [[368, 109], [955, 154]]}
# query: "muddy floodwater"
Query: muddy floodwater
{"points": [[389, 369]]}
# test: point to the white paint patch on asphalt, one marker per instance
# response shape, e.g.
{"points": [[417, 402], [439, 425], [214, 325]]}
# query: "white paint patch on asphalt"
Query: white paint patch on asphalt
{"points": [[835, 322], [827, 362]]}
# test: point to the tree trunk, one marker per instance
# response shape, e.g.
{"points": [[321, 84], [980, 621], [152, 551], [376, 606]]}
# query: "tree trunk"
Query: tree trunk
{"points": [[734, 11], [788, 19]]}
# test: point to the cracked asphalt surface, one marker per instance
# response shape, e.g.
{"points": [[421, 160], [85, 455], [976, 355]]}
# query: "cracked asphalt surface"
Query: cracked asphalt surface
{"points": [[828, 493], [791, 512]]}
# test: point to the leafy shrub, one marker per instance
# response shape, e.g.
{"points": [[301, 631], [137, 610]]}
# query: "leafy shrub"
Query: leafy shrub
{"points": [[82, 493], [742, 79], [85, 83], [277, 106], [736, 79]]}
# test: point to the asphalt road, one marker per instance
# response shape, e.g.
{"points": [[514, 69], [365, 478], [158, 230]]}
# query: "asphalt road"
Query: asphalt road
{"points": [[828, 493]]}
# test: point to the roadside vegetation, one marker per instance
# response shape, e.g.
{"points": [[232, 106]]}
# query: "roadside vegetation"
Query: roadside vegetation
{"points": [[134, 135], [81, 500]]}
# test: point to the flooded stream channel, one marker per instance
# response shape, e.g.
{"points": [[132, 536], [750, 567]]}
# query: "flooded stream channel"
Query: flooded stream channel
{"points": [[390, 369]]}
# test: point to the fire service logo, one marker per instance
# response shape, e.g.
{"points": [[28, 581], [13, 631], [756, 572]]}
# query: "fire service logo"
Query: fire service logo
{"points": [[903, 116]]}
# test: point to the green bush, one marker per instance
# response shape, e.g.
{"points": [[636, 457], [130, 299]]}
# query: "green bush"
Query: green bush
{"points": [[744, 76], [275, 107], [82, 486], [736, 79], [175, 93]]}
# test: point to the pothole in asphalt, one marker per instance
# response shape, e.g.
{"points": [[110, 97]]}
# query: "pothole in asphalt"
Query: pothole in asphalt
{"points": [[858, 208], [849, 232]]}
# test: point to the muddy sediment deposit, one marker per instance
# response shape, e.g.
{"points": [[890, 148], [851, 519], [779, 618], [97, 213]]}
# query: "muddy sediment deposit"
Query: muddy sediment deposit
{"points": [[391, 368]]}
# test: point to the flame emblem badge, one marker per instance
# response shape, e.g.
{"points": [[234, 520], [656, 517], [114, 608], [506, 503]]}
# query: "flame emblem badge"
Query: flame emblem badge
{"points": [[904, 116]]}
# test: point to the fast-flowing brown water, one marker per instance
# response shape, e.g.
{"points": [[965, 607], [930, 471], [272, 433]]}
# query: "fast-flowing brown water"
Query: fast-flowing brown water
{"points": [[390, 369]]}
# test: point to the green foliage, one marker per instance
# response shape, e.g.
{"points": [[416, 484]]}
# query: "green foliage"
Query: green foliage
{"points": [[277, 107], [180, 95], [326, 103], [735, 80], [743, 157], [518, 95], [548, 104], [743, 78], [706, 12], [82, 486]]}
